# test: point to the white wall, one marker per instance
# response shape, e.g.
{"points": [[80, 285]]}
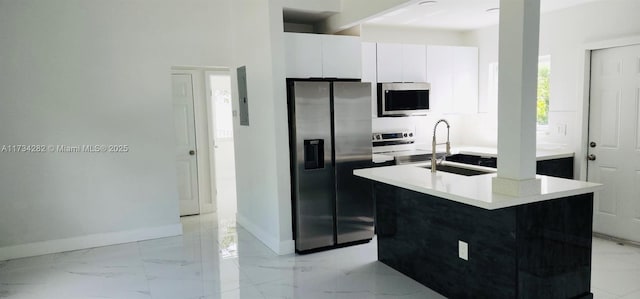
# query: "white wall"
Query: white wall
{"points": [[411, 35], [95, 72], [262, 148], [563, 35]]}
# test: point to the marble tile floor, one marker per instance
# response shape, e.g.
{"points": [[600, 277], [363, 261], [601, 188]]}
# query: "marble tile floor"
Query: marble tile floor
{"points": [[219, 260]]}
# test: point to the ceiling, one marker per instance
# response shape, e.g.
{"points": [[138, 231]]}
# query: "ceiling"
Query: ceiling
{"points": [[456, 14]]}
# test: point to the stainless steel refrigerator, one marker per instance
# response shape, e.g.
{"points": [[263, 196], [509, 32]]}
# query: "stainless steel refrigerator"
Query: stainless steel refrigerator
{"points": [[330, 136]]}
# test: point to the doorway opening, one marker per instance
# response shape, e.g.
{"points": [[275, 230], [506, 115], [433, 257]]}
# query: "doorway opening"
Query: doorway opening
{"points": [[205, 159], [221, 141]]}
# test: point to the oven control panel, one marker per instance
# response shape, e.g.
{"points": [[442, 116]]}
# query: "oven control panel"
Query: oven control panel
{"points": [[393, 138]]}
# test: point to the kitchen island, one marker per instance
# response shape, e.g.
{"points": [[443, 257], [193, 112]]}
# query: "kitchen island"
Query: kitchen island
{"points": [[518, 247]]}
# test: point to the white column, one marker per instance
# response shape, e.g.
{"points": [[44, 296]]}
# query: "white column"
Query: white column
{"points": [[517, 78]]}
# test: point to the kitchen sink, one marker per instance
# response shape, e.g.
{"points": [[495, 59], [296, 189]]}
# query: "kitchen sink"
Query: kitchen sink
{"points": [[458, 170]]}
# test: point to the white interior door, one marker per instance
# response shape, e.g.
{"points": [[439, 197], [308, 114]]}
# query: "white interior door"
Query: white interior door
{"points": [[614, 136], [187, 171]]}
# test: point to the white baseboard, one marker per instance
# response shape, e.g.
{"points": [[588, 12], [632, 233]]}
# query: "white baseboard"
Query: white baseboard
{"points": [[279, 247], [89, 241]]}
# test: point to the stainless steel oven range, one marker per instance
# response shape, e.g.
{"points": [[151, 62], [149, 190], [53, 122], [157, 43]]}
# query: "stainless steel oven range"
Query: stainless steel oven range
{"points": [[400, 145]]}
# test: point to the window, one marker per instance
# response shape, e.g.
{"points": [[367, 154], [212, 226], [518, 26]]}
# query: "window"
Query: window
{"points": [[544, 74]]}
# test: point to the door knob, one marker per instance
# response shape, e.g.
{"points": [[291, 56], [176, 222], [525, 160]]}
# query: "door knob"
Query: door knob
{"points": [[591, 157], [192, 152], [592, 144]]}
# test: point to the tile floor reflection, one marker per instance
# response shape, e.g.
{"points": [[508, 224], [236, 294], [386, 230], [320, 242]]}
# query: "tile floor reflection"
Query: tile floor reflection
{"points": [[216, 259]]}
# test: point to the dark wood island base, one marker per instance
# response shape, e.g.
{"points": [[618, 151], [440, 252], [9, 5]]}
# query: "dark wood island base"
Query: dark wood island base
{"points": [[536, 250]]}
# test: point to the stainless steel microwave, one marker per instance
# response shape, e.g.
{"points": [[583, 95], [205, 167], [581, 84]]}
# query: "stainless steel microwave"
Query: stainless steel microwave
{"points": [[403, 99]]}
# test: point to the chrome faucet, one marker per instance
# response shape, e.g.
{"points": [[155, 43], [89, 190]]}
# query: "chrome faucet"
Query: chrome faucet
{"points": [[433, 144]]}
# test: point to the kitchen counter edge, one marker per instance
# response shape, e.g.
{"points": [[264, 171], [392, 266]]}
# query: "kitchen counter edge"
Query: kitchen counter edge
{"points": [[541, 154], [471, 190]]}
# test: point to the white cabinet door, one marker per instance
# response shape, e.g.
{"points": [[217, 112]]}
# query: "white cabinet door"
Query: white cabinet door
{"points": [[369, 62], [440, 76], [465, 80], [303, 55], [369, 73], [453, 74], [341, 56], [401, 63], [414, 63], [389, 62]]}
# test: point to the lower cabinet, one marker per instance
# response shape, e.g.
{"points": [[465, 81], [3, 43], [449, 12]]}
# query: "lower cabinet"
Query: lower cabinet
{"points": [[536, 250], [561, 167]]}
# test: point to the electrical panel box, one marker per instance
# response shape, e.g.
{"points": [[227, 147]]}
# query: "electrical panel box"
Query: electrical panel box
{"points": [[242, 95]]}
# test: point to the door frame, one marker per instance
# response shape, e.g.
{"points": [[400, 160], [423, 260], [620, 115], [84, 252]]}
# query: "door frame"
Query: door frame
{"points": [[206, 172], [584, 84]]}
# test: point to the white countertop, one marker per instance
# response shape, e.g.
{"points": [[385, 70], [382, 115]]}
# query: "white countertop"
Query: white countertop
{"points": [[541, 153], [483, 151], [471, 190]]}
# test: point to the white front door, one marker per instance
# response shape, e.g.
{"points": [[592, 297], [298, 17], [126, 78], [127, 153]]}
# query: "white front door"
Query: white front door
{"points": [[187, 171], [614, 137]]}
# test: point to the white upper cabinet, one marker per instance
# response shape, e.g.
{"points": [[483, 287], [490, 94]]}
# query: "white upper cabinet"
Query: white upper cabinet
{"points": [[465, 80], [401, 63], [389, 62], [321, 55], [369, 73], [303, 55], [341, 56], [414, 63], [369, 62], [440, 76], [453, 74]]}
